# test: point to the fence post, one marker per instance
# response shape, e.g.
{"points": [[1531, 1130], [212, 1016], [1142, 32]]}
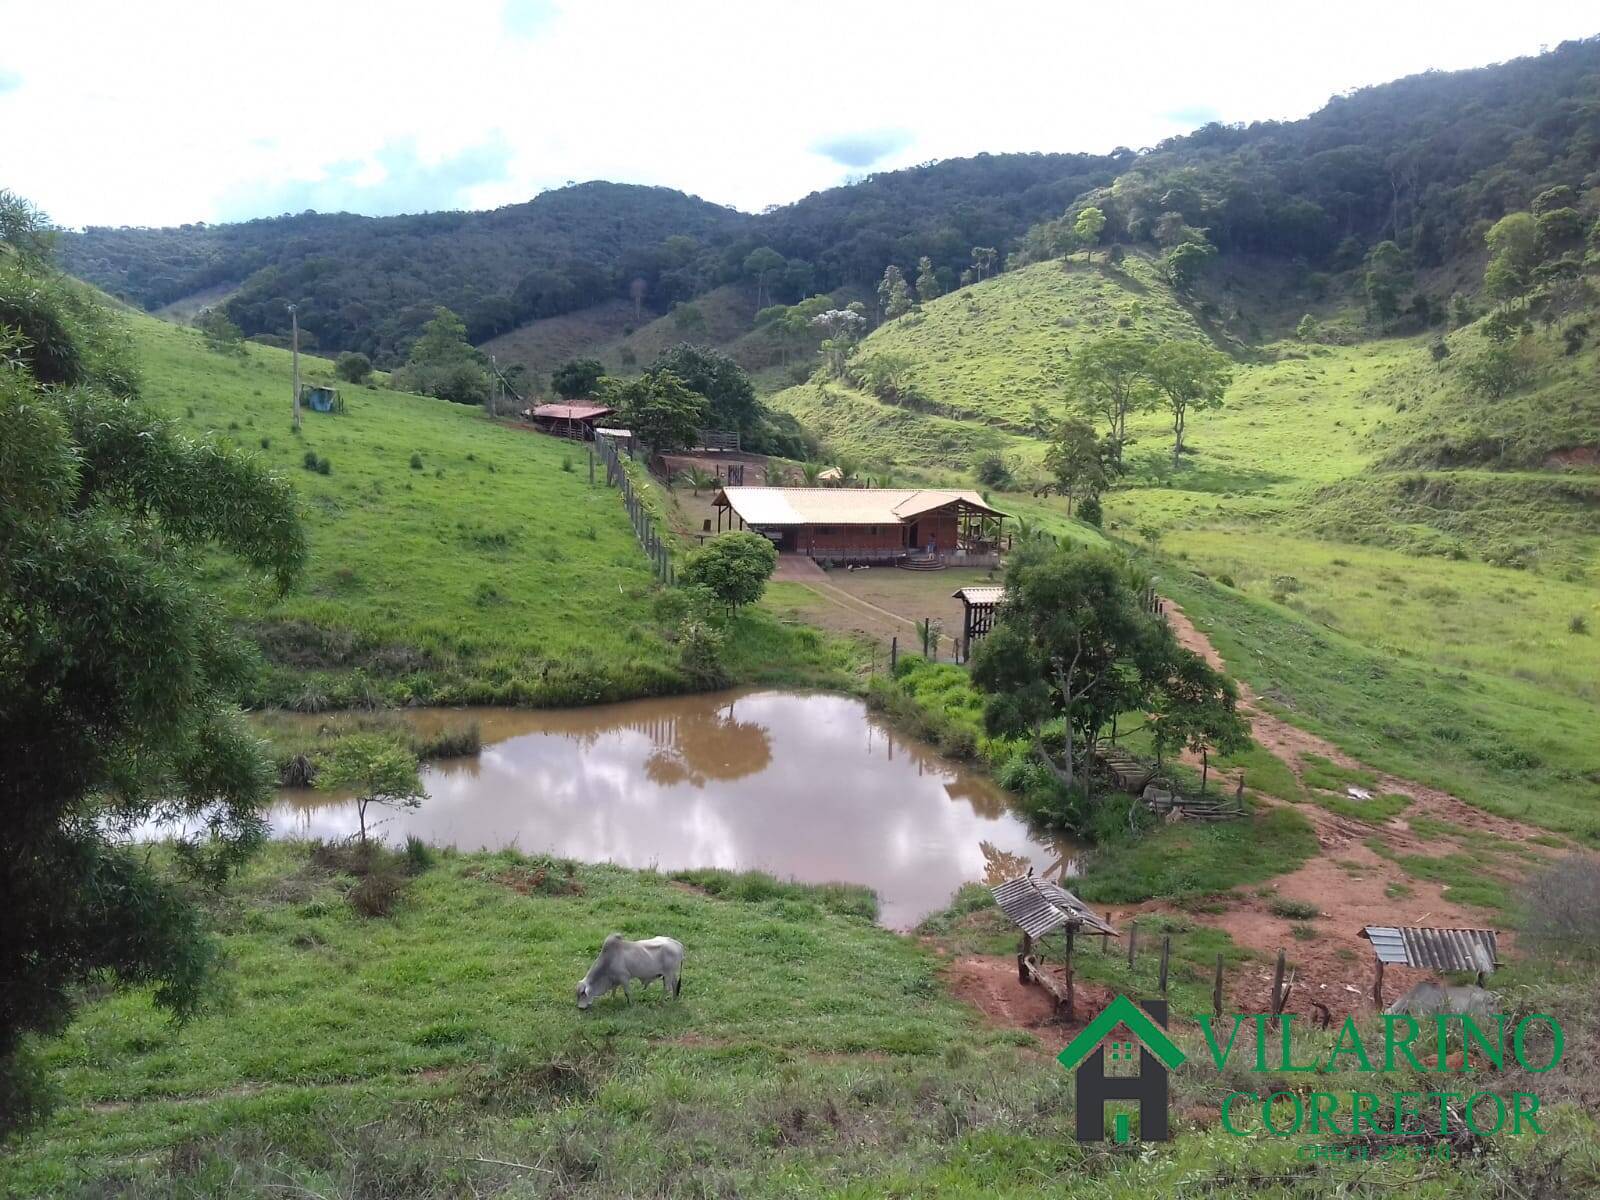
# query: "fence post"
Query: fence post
{"points": [[1277, 989], [894, 652], [1166, 950], [1133, 941], [1216, 991], [591, 466]]}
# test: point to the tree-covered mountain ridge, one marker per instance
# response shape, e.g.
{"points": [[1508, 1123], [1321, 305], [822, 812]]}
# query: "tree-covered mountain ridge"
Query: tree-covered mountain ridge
{"points": [[1427, 162]]}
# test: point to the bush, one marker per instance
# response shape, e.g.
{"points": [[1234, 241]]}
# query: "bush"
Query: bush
{"points": [[993, 471], [310, 460], [353, 367], [734, 566], [418, 855], [1293, 910], [1562, 907], [700, 652], [416, 461], [1578, 624], [1089, 511], [324, 467], [377, 893]]}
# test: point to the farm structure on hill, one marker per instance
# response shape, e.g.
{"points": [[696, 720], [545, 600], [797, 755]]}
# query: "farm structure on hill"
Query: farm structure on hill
{"points": [[575, 420], [868, 525]]}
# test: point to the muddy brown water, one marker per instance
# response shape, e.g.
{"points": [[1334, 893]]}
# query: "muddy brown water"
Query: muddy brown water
{"points": [[807, 786]]}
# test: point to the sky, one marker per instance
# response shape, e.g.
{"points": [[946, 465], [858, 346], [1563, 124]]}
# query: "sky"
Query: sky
{"points": [[161, 112]]}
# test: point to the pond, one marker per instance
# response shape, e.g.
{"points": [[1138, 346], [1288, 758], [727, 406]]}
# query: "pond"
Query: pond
{"points": [[807, 786]]}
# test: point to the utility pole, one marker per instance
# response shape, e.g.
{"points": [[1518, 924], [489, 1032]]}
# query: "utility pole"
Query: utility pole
{"points": [[294, 323], [494, 386]]}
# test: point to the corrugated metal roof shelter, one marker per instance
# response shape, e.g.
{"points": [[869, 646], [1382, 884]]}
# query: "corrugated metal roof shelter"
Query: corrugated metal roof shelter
{"points": [[1431, 948], [1038, 907], [980, 595], [1435, 949]]}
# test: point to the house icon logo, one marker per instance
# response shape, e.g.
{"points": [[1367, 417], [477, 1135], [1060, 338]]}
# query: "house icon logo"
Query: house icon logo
{"points": [[1157, 1055]]}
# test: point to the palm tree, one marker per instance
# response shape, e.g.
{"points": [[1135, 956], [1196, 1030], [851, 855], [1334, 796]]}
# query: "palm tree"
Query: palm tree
{"points": [[811, 471], [697, 478]]}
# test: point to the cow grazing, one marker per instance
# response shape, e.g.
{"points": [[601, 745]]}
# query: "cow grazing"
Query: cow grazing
{"points": [[1426, 999], [621, 962]]}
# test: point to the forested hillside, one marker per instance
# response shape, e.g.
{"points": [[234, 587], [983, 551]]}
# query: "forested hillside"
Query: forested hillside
{"points": [[1426, 163]]}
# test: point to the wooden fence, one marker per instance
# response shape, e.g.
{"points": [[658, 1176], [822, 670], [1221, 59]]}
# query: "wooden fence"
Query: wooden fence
{"points": [[644, 525]]}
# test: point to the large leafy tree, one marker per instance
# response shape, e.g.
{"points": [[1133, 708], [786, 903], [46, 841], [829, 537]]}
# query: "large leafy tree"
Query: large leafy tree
{"points": [[1073, 649], [662, 412], [765, 266], [894, 296], [1109, 378], [1385, 276], [1086, 230], [117, 682], [1082, 463], [716, 377], [1513, 253], [577, 378], [1188, 377]]}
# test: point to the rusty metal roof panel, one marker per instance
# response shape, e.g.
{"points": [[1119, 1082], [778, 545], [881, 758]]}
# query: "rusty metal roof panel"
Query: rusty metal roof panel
{"points": [[1434, 949], [1038, 907]]}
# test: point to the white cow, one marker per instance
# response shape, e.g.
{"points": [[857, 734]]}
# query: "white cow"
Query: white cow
{"points": [[622, 961], [1426, 999]]}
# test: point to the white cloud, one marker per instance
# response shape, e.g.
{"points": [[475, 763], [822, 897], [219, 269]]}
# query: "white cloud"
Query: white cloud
{"points": [[177, 110]]}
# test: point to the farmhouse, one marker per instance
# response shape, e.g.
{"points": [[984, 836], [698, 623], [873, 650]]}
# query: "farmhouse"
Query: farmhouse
{"points": [[575, 420], [867, 524]]}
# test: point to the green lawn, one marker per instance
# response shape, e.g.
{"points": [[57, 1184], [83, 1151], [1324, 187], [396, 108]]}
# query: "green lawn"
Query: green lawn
{"points": [[453, 560]]}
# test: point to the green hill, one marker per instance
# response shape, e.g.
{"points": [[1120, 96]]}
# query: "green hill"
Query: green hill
{"points": [[454, 559]]}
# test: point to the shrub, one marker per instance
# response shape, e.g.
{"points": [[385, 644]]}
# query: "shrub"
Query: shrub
{"points": [[377, 892], [418, 855], [1089, 511], [1578, 624], [266, 443], [416, 461], [700, 652], [1562, 907], [993, 471], [353, 367], [1293, 910], [310, 460], [324, 467], [463, 741], [734, 566]]}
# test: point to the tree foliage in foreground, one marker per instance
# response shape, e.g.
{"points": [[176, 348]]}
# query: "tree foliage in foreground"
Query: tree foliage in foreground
{"points": [[1073, 649], [117, 679]]}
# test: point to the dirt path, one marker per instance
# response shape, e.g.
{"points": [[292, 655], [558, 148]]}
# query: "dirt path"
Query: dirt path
{"points": [[1354, 881], [1290, 743]]}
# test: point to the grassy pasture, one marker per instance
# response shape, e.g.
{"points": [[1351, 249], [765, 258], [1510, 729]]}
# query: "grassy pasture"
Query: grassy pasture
{"points": [[454, 560], [438, 1052]]}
